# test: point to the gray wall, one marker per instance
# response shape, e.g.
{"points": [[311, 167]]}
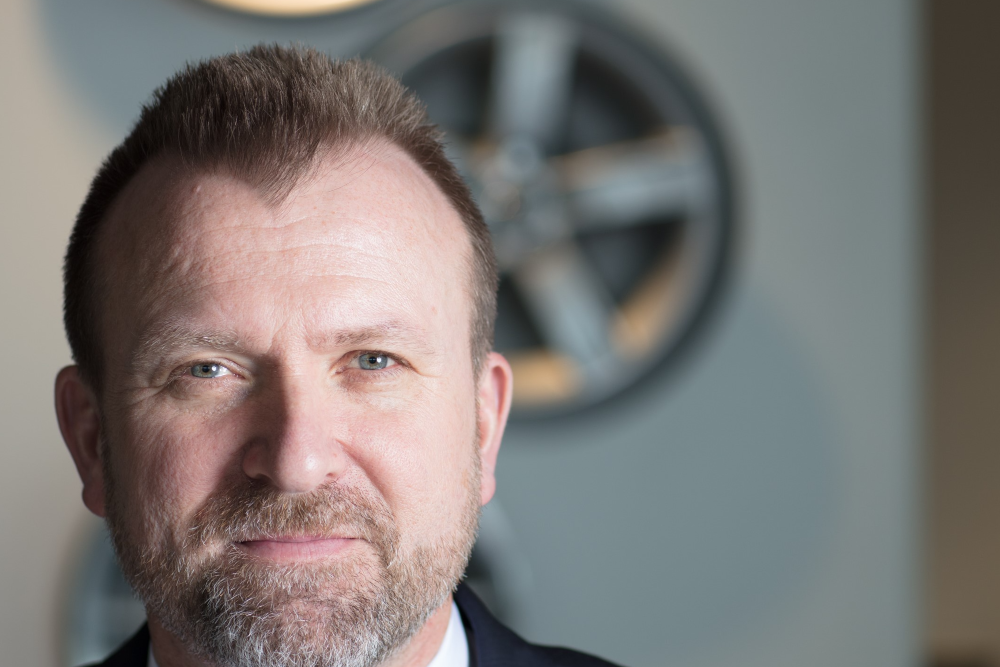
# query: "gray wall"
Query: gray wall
{"points": [[757, 507]]}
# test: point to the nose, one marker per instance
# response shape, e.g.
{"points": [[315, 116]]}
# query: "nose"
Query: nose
{"points": [[294, 445]]}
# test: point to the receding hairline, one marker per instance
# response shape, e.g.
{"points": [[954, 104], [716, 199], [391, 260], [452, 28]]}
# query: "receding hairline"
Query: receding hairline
{"points": [[330, 155]]}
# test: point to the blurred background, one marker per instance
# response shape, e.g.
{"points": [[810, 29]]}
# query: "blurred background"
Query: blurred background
{"points": [[750, 293]]}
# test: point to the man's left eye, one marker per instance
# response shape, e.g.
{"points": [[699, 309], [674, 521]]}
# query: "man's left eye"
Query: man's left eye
{"points": [[209, 370], [374, 361]]}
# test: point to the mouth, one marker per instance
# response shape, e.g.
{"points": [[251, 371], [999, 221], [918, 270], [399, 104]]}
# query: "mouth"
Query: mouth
{"points": [[297, 547]]}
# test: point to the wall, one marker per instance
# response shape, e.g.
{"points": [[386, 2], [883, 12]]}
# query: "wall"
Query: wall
{"points": [[758, 507]]}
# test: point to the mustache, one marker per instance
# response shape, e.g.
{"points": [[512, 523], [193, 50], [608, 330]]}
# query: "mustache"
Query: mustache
{"points": [[256, 510]]}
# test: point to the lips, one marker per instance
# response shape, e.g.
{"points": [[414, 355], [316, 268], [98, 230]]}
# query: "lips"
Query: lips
{"points": [[297, 547]]}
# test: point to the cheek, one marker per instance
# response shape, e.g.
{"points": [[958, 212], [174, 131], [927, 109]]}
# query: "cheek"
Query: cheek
{"points": [[168, 465], [418, 457]]}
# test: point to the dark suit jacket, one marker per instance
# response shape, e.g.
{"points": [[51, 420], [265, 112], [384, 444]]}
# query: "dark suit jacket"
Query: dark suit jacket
{"points": [[491, 644]]}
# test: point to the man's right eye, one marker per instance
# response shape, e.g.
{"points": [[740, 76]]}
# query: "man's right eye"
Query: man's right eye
{"points": [[209, 370]]}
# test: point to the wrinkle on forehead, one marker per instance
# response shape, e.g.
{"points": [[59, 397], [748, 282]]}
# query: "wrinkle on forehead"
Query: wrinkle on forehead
{"points": [[167, 206], [169, 191]]}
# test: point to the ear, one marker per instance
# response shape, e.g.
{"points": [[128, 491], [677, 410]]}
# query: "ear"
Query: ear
{"points": [[80, 424], [496, 381]]}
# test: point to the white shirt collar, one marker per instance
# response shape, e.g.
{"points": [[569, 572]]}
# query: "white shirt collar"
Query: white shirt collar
{"points": [[453, 652]]}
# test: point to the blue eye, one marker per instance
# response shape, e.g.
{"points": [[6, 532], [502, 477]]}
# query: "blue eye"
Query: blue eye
{"points": [[372, 361], [209, 370]]}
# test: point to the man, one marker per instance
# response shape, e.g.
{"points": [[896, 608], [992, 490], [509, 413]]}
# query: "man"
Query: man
{"points": [[280, 297]]}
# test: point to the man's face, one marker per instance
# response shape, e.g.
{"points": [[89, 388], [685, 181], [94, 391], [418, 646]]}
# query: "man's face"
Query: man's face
{"points": [[291, 439]]}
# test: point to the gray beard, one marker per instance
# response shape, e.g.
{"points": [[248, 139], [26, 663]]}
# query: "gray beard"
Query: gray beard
{"points": [[233, 610], [237, 614]]}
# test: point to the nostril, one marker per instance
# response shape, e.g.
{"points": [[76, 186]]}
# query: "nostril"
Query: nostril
{"points": [[293, 465]]}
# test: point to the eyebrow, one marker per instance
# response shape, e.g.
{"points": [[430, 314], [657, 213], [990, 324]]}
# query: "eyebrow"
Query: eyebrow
{"points": [[171, 338], [388, 332], [162, 340]]}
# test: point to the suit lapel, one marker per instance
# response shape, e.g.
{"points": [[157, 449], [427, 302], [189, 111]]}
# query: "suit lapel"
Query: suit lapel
{"points": [[133, 653], [491, 644]]}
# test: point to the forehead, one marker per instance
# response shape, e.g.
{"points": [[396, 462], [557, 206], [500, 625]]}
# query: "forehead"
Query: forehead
{"points": [[365, 225]]}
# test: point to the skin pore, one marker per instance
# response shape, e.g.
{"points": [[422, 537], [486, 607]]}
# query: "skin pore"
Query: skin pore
{"points": [[309, 360]]}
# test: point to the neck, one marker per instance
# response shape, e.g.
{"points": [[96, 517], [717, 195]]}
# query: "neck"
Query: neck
{"points": [[418, 651]]}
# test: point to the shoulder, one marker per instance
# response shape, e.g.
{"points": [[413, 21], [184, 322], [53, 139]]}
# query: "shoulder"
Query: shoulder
{"points": [[133, 653], [492, 644]]}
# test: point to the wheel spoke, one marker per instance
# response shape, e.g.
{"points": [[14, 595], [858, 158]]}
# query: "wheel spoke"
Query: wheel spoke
{"points": [[569, 304], [532, 76], [632, 182]]}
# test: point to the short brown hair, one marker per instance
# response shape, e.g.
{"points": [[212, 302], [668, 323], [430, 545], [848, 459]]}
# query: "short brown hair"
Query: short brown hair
{"points": [[263, 116]]}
